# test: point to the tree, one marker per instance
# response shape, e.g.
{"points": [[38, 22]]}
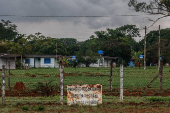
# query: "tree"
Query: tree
{"points": [[116, 43], [10, 47], [155, 7], [152, 45], [7, 30], [69, 46], [87, 53], [87, 58]]}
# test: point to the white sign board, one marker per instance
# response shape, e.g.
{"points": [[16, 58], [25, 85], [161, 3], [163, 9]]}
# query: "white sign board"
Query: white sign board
{"points": [[87, 94]]}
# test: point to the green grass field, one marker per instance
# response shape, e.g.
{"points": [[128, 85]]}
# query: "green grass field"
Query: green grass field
{"points": [[133, 78], [110, 104]]}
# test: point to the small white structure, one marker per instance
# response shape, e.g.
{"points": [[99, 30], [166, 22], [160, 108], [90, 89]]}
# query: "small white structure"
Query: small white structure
{"points": [[41, 61], [103, 62], [4, 58]]}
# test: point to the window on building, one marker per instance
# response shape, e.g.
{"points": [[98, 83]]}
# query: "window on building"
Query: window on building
{"points": [[47, 61], [27, 60]]}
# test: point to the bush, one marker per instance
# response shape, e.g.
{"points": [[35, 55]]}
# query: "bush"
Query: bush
{"points": [[25, 107], [46, 88], [40, 108], [158, 99]]}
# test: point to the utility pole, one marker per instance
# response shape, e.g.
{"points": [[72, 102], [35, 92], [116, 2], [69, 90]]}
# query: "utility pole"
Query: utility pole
{"points": [[145, 50], [159, 62]]}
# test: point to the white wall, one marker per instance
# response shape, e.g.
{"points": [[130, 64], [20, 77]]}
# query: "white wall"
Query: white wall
{"points": [[107, 62], [4, 61], [104, 64], [37, 62], [12, 63], [41, 63], [46, 64], [56, 64], [1, 63], [95, 64], [31, 62]]}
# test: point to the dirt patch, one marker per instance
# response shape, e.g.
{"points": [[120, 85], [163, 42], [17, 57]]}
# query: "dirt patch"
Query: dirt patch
{"points": [[33, 76], [0, 69], [138, 92], [19, 86], [86, 73], [66, 74], [25, 93], [94, 75], [21, 94]]}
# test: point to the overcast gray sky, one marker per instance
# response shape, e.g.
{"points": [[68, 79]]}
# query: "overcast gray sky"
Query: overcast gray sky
{"points": [[80, 28]]}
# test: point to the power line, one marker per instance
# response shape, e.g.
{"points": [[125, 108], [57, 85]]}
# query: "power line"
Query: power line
{"points": [[128, 15], [53, 16], [7, 15]]}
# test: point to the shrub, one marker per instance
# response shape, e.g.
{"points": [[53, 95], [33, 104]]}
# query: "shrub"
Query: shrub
{"points": [[40, 108], [25, 107], [46, 88], [158, 99]]}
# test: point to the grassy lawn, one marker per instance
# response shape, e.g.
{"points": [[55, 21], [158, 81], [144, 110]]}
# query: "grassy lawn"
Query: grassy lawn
{"points": [[134, 78], [110, 104]]}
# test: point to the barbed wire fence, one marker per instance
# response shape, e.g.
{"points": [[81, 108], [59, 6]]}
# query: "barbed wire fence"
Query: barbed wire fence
{"points": [[46, 81]]}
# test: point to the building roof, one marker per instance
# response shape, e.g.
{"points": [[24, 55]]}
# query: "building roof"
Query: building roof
{"points": [[108, 57], [6, 55], [41, 56]]}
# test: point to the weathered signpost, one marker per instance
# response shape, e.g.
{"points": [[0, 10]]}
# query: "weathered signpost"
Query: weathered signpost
{"points": [[87, 94]]}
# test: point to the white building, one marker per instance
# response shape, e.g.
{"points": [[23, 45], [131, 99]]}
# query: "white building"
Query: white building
{"points": [[5, 58], [103, 62], [41, 61]]}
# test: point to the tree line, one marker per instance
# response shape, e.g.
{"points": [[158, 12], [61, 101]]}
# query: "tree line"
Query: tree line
{"points": [[119, 42]]}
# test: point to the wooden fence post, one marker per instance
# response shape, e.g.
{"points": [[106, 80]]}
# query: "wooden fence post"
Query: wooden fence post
{"points": [[3, 84], [161, 75], [21, 61], [9, 76], [61, 83], [111, 64], [121, 83]]}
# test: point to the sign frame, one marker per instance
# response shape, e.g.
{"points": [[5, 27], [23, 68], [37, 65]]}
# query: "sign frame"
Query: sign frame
{"points": [[86, 94]]}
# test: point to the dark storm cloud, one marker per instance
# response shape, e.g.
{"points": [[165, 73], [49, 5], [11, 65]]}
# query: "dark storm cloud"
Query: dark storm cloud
{"points": [[64, 8], [112, 9]]}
